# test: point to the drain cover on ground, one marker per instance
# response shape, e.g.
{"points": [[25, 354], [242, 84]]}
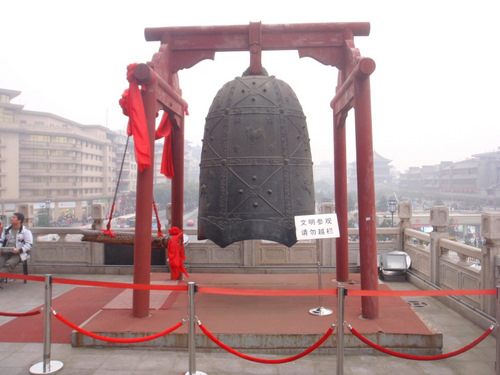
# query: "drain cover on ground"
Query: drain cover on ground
{"points": [[419, 304]]}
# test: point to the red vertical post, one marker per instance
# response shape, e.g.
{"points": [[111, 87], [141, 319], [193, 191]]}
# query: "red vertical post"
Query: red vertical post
{"points": [[178, 180], [340, 165], [366, 196], [144, 204]]}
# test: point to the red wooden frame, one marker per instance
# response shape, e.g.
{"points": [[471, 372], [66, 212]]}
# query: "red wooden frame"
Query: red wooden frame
{"points": [[328, 43]]}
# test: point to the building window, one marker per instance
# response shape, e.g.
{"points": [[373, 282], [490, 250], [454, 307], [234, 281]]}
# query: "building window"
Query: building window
{"points": [[40, 152], [60, 153], [39, 138]]}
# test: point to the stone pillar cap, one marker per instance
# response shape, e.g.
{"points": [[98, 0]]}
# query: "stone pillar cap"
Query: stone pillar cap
{"points": [[490, 225], [439, 216], [404, 210]]}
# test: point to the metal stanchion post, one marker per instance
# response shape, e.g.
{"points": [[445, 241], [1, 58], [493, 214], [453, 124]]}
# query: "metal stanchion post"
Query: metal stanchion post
{"points": [[47, 366], [192, 332], [320, 311], [497, 313], [340, 329]]}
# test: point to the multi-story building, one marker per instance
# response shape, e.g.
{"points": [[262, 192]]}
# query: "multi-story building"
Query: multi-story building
{"points": [[488, 174], [53, 162], [381, 169], [323, 171], [191, 162], [459, 179], [56, 163], [192, 157], [476, 179]]}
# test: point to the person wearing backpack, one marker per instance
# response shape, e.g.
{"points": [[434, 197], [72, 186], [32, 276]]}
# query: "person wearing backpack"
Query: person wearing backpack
{"points": [[16, 237]]}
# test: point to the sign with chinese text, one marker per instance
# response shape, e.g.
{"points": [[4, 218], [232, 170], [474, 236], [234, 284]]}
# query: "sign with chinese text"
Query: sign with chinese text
{"points": [[312, 227]]}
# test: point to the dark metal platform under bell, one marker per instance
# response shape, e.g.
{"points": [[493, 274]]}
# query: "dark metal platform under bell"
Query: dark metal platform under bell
{"points": [[278, 324]]}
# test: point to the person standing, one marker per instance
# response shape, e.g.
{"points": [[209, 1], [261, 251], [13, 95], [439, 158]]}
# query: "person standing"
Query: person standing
{"points": [[18, 237]]}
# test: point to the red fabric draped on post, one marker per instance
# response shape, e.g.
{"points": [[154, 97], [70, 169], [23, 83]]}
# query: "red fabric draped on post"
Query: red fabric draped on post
{"points": [[165, 130], [132, 106], [175, 253]]}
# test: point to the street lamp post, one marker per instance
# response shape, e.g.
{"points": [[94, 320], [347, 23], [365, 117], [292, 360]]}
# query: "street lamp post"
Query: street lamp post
{"points": [[392, 205]]}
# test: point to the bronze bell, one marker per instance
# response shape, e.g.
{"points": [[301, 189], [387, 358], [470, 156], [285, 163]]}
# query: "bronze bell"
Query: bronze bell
{"points": [[256, 166]]}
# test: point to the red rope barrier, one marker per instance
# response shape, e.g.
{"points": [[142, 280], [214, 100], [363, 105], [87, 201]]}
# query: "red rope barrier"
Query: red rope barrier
{"points": [[29, 313], [21, 277], [419, 357], [120, 285], [408, 293], [262, 292], [107, 284], [117, 340], [265, 292], [350, 292], [261, 360]]}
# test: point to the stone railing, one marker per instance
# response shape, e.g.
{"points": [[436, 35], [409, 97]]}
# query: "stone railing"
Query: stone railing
{"points": [[60, 250], [459, 267], [451, 265], [417, 245]]}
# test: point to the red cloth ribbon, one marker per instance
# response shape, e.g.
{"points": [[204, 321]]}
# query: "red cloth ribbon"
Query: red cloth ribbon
{"points": [[132, 106], [165, 131], [108, 232], [175, 253]]}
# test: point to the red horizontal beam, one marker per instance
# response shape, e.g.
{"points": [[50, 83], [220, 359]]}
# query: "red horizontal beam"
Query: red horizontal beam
{"points": [[274, 37]]}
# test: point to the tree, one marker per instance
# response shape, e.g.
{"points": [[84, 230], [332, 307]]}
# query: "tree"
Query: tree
{"points": [[382, 204], [324, 191], [42, 219], [191, 191], [352, 201], [162, 193]]}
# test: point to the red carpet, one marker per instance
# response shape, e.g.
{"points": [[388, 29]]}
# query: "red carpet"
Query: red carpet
{"points": [[77, 305]]}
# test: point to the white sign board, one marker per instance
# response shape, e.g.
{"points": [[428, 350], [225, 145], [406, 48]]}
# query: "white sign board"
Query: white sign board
{"points": [[312, 227], [67, 204]]}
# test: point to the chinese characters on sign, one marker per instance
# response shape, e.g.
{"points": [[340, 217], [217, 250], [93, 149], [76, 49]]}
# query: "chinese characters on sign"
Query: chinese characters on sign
{"points": [[312, 227]]}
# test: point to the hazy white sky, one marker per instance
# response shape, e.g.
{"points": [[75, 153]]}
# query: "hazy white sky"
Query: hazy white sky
{"points": [[434, 92]]}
